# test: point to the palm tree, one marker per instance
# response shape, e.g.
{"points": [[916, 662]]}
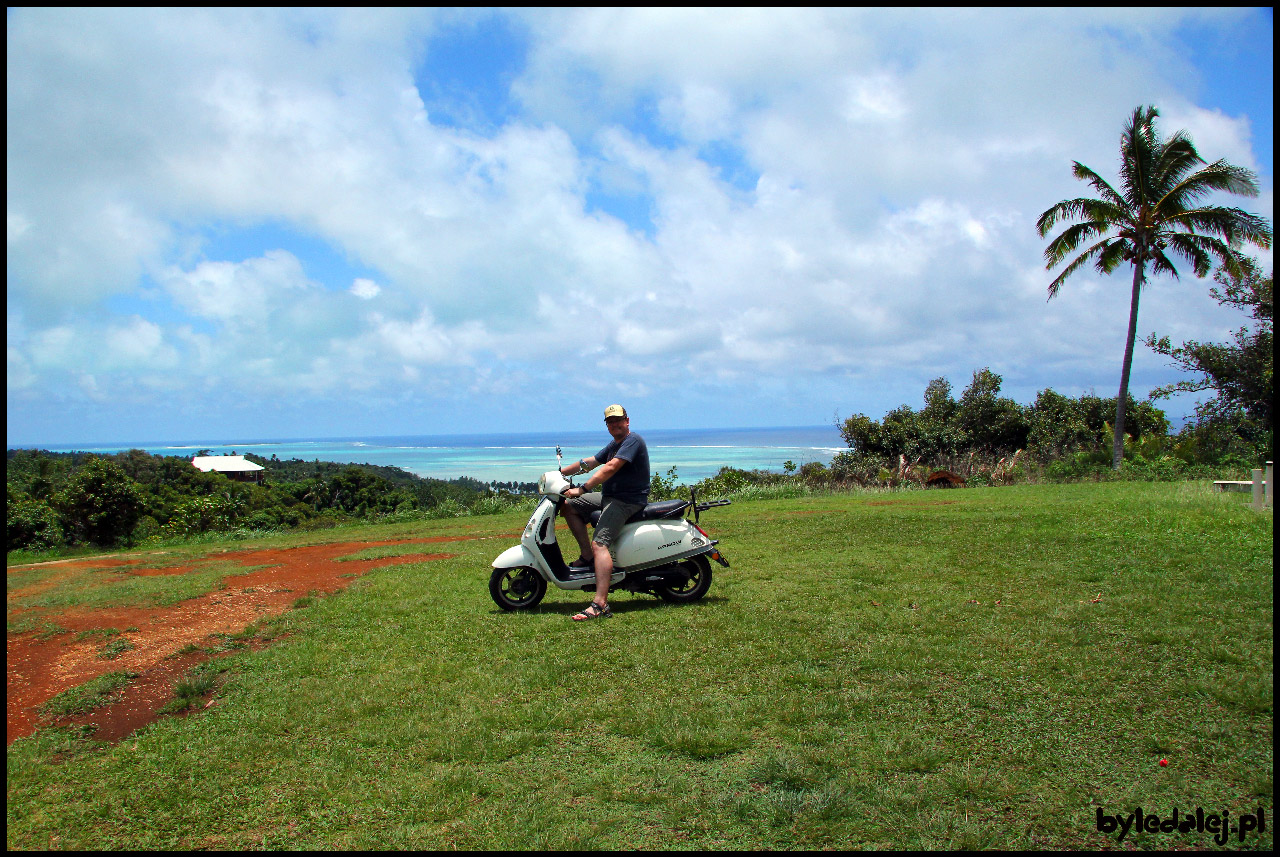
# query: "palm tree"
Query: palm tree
{"points": [[1159, 210]]}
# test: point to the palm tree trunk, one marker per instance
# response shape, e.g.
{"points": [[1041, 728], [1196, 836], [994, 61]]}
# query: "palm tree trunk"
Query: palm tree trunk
{"points": [[1117, 439]]}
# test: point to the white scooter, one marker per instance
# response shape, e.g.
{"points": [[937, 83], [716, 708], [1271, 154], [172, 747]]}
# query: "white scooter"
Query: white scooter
{"points": [[659, 551]]}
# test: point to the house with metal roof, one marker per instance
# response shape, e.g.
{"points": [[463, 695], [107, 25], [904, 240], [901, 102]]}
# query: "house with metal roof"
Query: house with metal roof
{"points": [[231, 466]]}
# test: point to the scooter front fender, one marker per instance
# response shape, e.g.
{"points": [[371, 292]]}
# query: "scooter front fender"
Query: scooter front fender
{"points": [[516, 556]]}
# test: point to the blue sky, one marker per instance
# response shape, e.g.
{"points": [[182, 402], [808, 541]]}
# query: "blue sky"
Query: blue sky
{"points": [[245, 223]]}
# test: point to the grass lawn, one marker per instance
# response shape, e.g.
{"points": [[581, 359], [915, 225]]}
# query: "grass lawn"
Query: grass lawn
{"points": [[979, 668]]}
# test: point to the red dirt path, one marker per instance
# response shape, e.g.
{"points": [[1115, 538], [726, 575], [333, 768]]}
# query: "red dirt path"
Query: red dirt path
{"points": [[40, 667]]}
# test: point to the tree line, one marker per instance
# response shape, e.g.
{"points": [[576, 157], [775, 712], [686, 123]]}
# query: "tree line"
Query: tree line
{"points": [[985, 436], [76, 498]]}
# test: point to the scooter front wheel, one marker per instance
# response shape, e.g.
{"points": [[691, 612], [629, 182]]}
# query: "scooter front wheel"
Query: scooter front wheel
{"points": [[699, 571], [516, 588]]}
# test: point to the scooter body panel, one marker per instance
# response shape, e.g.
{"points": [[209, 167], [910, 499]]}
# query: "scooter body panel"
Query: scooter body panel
{"points": [[647, 544], [516, 556]]}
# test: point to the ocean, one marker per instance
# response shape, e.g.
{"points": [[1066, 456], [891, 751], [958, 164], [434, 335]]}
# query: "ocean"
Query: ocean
{"points": [[695, 453]]}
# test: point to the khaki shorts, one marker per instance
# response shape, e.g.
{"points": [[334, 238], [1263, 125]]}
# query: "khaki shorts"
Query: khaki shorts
{"points": [[614, 513]]}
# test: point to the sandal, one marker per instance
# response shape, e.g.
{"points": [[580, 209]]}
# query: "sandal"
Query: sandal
{"points": [[582, 564], [593, 611]]}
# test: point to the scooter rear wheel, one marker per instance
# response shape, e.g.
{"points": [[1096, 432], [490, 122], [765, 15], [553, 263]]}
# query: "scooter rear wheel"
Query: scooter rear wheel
{"points": [[516, 588], [695, 587]]}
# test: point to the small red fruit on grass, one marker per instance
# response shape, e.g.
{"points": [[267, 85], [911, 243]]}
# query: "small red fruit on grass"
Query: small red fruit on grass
{"points": [[1164, 763]]}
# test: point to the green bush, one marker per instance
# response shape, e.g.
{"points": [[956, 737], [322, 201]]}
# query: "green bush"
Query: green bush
{"points": [[1094, 465], [147, 528], [446, 508], [326, 520], [727, 481], [261, 521], [203, 515], [100, 504], [665, 487], [492, 504], [983, 427], [31, 525]]}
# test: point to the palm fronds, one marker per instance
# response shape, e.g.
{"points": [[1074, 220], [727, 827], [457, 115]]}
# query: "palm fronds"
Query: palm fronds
{"points": [[1156, 208], [1155, 214]]}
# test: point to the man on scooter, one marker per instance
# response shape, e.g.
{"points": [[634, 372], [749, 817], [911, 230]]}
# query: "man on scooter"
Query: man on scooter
{"points": [[623, 483]]}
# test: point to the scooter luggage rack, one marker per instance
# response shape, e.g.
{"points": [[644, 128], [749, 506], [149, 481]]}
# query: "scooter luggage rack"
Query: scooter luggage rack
{"points": [[699, 508]]}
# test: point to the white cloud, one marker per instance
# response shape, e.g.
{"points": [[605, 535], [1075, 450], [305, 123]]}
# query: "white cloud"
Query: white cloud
{"points": [[874, 99], [138, 344], [829, 191], [1215, 134], [365, 289], [244, 294], [17, 226], [57, 347], [422, 341]]}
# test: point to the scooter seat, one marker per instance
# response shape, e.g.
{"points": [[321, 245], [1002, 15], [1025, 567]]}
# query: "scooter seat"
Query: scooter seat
{"points": [[651, 512]]}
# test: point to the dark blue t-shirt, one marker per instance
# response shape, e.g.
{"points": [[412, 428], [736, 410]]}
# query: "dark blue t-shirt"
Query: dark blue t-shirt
{"points": [[631, 483]]}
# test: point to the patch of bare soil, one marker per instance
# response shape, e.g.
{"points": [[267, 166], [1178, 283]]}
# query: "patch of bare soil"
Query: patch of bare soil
{"points": [[40, 666]]}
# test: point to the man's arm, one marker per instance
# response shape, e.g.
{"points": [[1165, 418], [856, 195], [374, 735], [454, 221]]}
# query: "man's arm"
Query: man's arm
{"points": [[580, 466], [606, 473]]}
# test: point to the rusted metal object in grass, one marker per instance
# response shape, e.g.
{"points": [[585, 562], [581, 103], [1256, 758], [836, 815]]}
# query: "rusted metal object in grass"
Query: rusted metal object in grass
{"points": [[944, 479]]}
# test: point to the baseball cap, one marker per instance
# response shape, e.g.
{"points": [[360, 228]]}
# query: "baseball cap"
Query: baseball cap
{"points": [[615, 411]]}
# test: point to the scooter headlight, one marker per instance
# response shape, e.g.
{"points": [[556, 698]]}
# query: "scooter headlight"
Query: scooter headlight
{"points": [[552, 482]]}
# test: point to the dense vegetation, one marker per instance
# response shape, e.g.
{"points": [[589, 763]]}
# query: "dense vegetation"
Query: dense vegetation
{"points": [[1241, 372], [134, 497], [987, 437]]}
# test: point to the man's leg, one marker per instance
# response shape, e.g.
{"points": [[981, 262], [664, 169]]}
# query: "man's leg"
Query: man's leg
{"points": [[613, 517], [604, 572], [578, 527]]}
